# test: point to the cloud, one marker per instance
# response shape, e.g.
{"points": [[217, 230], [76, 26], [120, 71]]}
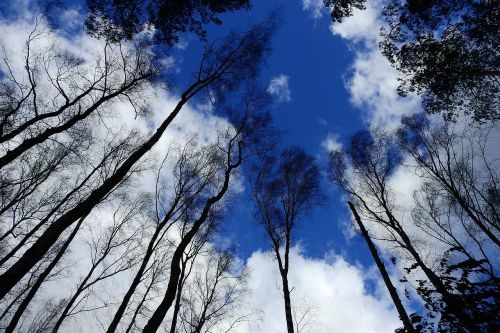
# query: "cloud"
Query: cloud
{"points": [[371, 80], [331, 142], [315, 7], [279, 87], [331, 292]]}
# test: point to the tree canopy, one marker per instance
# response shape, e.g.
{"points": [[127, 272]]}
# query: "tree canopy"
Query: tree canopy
{"points": [[118, 19], [445, 51]]}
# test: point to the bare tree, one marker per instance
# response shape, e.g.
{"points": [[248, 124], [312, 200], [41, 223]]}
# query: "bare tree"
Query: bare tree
{"points": [[113, 251], [449, 287], [224, 66], [235, 144], [212, 298], [193, 175], [283, 192]]}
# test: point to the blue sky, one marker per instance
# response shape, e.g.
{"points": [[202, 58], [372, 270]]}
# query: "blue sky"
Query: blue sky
{"points": [[315, 63]]}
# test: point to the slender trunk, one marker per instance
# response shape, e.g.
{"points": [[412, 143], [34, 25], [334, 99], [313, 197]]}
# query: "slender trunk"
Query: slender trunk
{"points": [[50, 214], [139, 306], [42, 245], [388, 283], [175, 270], [177, 305], [454, 302], [75, 296], [135, 282], [36, 286], [288, 303]]}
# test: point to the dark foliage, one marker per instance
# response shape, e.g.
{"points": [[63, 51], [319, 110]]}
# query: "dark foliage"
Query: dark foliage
{"points": [[118, 19], [446, 51]]}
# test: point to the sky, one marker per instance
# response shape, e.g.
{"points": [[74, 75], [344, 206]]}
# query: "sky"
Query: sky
{"points": [[326, 82]]}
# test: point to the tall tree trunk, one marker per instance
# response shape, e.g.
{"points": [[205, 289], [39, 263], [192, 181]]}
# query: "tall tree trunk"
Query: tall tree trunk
{"points": [[451, 300], [135, 282], [139, 306], [288, 303], [42, 245], [29, 297], [388, 283], [175, 270], [177, 305]]}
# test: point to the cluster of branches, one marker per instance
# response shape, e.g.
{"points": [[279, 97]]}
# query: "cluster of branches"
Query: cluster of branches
{"points": [[444, 50], [284, 191], [71, 200], [449, 244]]}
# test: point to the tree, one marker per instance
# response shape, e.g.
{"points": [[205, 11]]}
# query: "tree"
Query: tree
{"points": [[458, 287], [403, 315], [113, 250], [214, 294], [235, 145], [225, 66], [116, 20], [444, 51], [283, 192]]}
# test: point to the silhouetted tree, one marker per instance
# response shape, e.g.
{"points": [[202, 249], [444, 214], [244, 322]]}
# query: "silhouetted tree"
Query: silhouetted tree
{"points": [[403, 315], [444, 50], [116, 19], [459, 288], [225, 66], [284, 190], [235, 145]]}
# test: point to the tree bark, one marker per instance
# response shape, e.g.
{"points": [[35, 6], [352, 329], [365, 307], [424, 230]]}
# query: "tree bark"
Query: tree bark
{"points": [[177, 305], [387, 280], [288, 304]]}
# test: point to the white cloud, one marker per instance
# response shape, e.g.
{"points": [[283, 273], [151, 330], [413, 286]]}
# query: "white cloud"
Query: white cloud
{"points": [[372, 81], [279, 87], [331, 142], [362, 26], [334, 291], [316, 7], [182, 44]]}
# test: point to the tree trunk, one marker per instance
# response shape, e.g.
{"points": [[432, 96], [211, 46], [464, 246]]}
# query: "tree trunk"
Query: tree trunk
{"points": [[29, 297], [177, 305], [388, 283], [288, 303], [42, 245], [135, 282], [175, 270]]}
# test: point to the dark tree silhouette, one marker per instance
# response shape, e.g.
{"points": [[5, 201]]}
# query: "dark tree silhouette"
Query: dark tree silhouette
{"points": [[225, 66], [459, 287], [403, 315], [444, 50], [116, 19], [234, 146], [283, 191]]}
